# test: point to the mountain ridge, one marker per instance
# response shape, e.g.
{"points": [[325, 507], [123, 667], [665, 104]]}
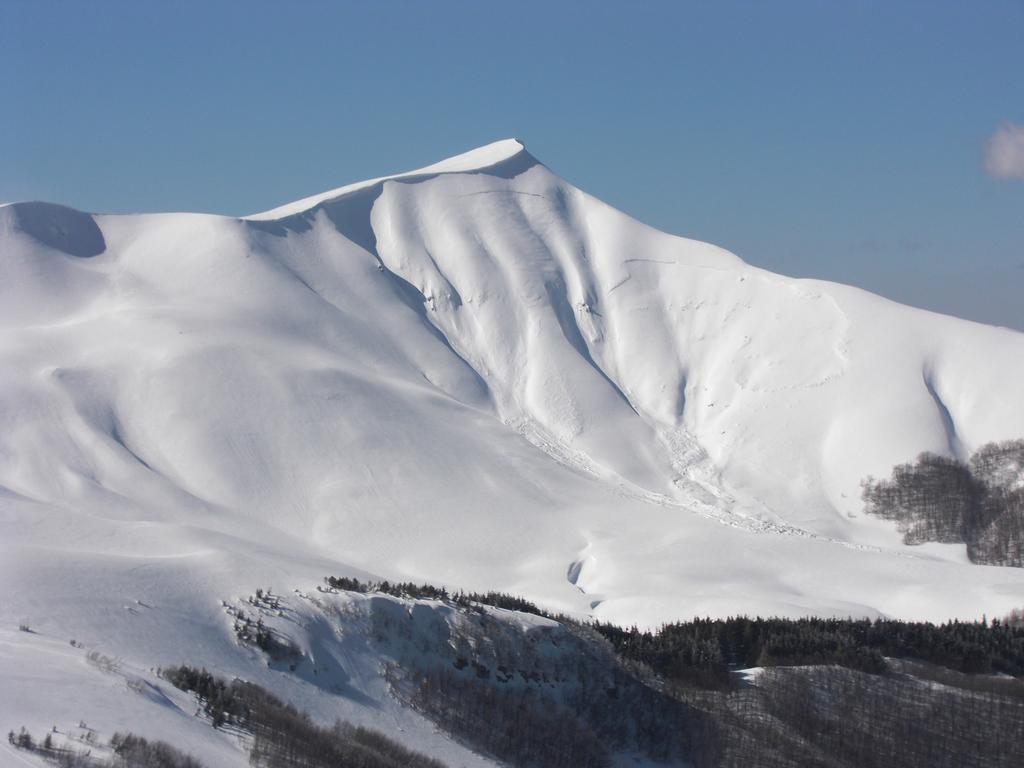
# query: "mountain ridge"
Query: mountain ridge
{"points": [[477, 374]]}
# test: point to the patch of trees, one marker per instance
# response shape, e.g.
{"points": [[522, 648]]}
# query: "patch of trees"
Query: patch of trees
{"points": [[284, 737], [254, 632], [841, 717], [835, 717], [413, 591], [1002, 685], [251, 630], [701, 652], [979, 502], [129, 751], [518, 725], [562, 727]]}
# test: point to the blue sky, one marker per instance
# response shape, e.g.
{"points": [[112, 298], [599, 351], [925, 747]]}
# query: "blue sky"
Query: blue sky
{"points": [[838, 140]]}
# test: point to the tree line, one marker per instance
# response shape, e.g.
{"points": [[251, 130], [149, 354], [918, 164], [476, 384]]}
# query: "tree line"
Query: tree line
{"points": [[409, 590], [703, 651]]}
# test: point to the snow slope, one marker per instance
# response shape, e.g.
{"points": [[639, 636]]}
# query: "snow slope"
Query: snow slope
{"points": [[476, 373], [473, 374]]}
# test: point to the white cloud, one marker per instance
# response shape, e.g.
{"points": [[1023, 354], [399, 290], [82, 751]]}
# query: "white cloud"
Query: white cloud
{"points": [[1004, 152]]}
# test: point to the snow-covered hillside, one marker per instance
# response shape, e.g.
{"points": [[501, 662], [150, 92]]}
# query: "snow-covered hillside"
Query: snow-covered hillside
{"points": [[474, 375], [477, 375]]}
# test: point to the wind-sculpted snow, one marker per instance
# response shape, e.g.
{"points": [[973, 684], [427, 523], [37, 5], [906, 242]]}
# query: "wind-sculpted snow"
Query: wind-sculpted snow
{"points": [[474, 374], [65, 230]]}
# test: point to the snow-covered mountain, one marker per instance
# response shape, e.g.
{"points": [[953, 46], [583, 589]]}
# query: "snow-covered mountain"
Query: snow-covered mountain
{"points": [[472, 374]]}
